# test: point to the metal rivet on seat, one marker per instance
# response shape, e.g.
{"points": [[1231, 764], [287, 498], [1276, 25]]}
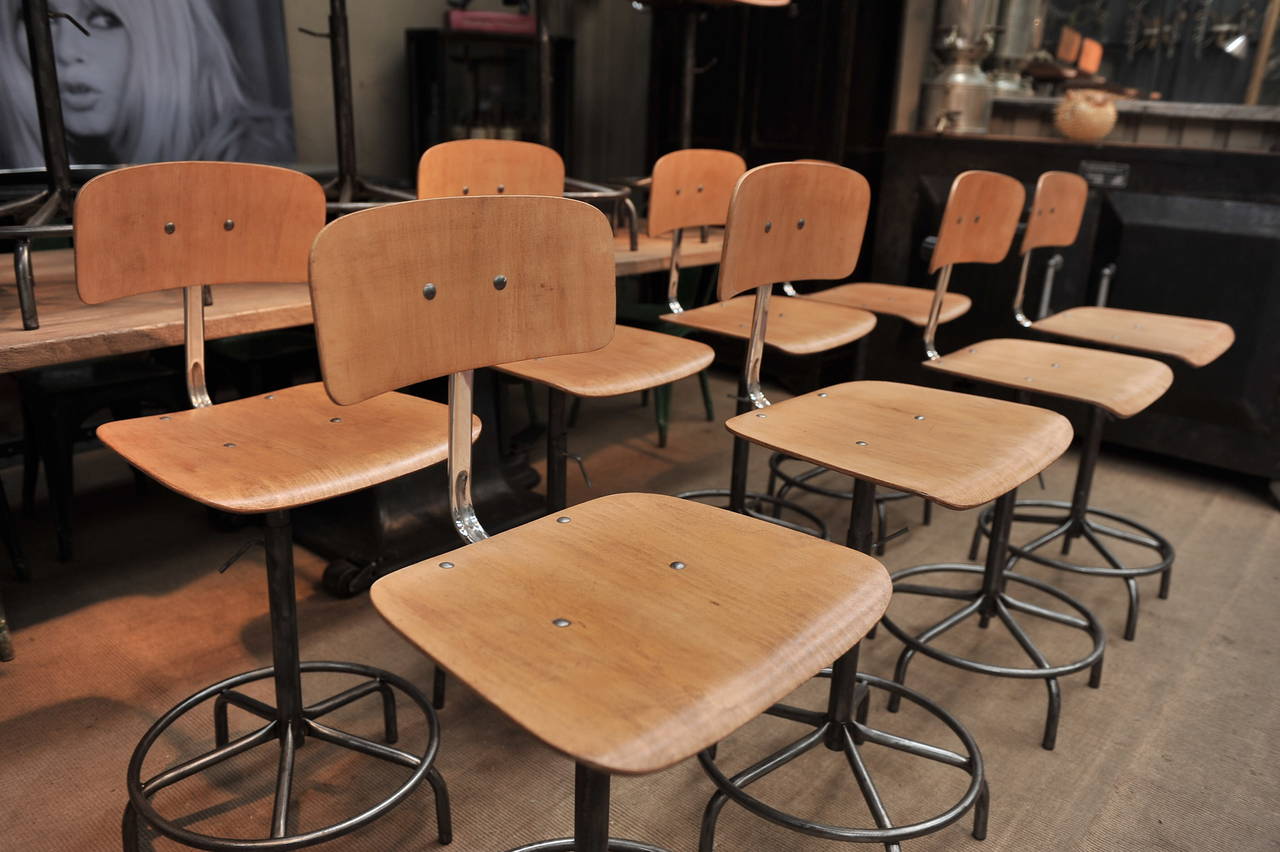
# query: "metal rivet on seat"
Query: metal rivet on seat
{"points": [[762, 416], [502, 187], [229, 444], [699, 187], [679, 566], [229, 225], [1028, 378], [166, 417], [169, 227], [500, 282], [335, 419], [563, 519], [768, 226], [429, 292], [271, 396], [823, 395], [977, 219], [466, 190], [679, 191], [919, 417], [1055, 365], [800, 225], [561, 622], [446, 564], [862, 443]]}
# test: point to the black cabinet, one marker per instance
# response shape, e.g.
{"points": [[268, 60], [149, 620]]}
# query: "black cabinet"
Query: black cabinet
{"points": [[475, 84]]}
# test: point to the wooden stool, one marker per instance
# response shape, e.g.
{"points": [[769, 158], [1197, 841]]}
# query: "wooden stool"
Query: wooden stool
{"points": [[179, 225], [1111, 383], [631, 631], [634, 360], [691, 188], [831, 428]]}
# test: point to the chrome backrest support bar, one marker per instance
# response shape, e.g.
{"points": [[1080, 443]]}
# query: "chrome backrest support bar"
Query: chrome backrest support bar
{"points": [[468, 525], [673, 274], [1018, 295], [935, 310], [755, 348], [1104, 284], [193, 334], [1050, 272]]}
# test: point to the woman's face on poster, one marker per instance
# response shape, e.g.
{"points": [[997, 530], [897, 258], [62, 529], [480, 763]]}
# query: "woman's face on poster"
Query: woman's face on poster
{"points": [[92, 70]]}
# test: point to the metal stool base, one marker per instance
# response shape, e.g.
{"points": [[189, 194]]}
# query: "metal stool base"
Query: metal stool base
{"points": [[849, 738], [801, 481], [568, 844], [755, 502], [290, 736], [998, 605], [1072, 525]]}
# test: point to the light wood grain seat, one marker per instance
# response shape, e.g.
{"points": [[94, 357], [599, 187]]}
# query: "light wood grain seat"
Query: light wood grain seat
{"points": [[1121, 384], [796, 326], [634, 360], [909, 303], [956, 449], [657, 662], [1190, 339], [283, 449]]}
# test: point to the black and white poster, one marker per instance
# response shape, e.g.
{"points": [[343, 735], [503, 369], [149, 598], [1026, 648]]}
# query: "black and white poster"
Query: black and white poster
{"points": [[154, 80]]}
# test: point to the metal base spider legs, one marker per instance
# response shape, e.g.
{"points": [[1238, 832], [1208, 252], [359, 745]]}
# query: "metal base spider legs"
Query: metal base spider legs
{"points": [[992, 602], [590, 820], [766, 507], [843, 728], [289, 722], [1078, 519], [802, 482]]}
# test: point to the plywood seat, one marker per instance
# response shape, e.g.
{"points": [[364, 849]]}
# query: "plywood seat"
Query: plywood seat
{"points": [[634, 360], [684, 622], [283, 449], [1195, 341], [956, 449], [910, 303], [1120, 384], [796, 326]]}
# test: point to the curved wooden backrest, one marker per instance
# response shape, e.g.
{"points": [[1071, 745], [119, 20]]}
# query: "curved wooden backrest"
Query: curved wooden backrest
{"points": [[1056, 211], [793, 222], [489, 167], [691, 188], [168, 225], [1090, 56], [412, 291], [981, 218]]}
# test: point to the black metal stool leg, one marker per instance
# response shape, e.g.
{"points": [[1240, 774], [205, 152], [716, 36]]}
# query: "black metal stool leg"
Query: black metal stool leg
{"points": [[993, 602], [288, 722], [1078, 520], [843, 728]]}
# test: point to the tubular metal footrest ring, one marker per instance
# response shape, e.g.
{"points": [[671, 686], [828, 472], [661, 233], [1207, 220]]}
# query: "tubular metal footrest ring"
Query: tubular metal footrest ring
{"points": [[1088, 529], [818, 530], [801, 481], [422, 764], [1087, 623], [858, 733], [568, 845]]}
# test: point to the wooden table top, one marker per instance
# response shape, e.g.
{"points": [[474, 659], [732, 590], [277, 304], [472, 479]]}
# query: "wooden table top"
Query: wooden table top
{"points": [[72, 331]]}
